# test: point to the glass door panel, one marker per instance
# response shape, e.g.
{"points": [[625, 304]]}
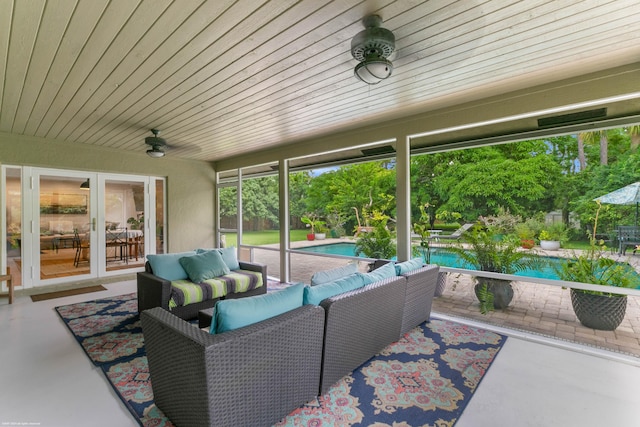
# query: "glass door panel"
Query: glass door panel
{"points": [[13, 224], [124, 224], [62, 241], [160, 225]]}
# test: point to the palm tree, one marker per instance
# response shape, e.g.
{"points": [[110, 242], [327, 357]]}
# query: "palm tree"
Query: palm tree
{"points": [[634, 133], [594, 138]]}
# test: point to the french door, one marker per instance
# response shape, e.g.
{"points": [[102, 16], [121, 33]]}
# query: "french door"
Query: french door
{"points": [[80, 225]]}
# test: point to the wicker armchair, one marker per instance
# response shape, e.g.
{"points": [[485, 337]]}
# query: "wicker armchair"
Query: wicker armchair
{"points": [[253, 376], [154, 291]]}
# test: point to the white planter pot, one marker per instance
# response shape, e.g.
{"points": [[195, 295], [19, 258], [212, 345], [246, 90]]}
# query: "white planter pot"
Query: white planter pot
{"points": [[549, 245], [321, 236]]}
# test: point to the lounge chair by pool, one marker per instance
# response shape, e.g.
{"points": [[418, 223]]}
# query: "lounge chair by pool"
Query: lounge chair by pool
{"points": [[456, 234]]}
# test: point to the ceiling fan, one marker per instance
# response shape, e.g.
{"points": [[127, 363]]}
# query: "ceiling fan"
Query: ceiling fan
{"points": [[157, 144]]}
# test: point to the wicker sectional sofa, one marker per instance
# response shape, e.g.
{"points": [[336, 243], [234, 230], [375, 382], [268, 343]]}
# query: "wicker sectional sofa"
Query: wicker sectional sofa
{"points": [[257, 374]]}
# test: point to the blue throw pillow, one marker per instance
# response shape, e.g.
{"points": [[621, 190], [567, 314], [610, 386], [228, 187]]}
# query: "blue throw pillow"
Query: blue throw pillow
{"points": [[327, 276], [381, 273], [230, 314], [407, 266], [206, 265], [315, 294], [168, 266], [229, 255]]}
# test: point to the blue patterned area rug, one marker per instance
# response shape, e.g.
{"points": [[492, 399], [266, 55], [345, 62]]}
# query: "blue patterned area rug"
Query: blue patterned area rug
{"points": [[425, 379]]}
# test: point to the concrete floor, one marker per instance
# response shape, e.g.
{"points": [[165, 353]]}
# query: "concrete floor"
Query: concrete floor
{"points": [[551, 372], [47, 380]]}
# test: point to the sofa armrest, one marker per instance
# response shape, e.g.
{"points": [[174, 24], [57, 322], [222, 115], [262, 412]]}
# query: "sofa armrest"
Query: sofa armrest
{"points": [[255, 266], [421, 288], [358, 325], [253, 376], [153, 291]]}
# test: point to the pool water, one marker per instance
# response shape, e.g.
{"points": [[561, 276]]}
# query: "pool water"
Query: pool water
{"points": [[546, 270]]}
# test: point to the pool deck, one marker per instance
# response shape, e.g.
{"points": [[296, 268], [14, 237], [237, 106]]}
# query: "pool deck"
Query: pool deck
{"points": [[536, 308], [541, 309]]}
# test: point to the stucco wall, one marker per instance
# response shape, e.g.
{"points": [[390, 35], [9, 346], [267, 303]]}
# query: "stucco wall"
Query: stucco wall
{"points": [[190, 184]]}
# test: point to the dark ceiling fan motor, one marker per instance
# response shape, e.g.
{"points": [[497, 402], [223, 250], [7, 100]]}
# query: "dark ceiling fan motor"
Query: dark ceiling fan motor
{"points": [[156, 144]]}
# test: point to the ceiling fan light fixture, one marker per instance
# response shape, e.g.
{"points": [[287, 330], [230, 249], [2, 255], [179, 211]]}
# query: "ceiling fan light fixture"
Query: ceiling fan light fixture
{"points": [[373, 70], [155, 152], [371, 47]]}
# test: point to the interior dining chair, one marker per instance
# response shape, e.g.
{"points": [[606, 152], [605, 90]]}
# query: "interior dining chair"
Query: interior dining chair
{"points": [[81, 243], [7, 278], [117, 239]]}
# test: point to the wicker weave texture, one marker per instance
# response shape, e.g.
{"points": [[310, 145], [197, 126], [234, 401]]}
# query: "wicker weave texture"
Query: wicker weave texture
{"points": [[253, 376], [421, 288], [358, 325]]}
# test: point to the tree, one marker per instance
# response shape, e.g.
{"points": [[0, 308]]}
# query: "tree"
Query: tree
{"points": [[565, 151], [519, 177], [260, 202], [228, 207], [634, 134], [299, 183], [582, 160], [425, 169], [600, 180], [598, 138], [365, 186]]}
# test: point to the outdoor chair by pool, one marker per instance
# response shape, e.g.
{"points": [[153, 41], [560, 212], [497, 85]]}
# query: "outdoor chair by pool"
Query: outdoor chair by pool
{"points": [[456, 234], [627, 235]]}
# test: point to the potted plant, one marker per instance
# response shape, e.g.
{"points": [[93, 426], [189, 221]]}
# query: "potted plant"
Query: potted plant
{"points": [[552, 236], [321, 230], [600, 310], [312, 222], [377, 243], [485, 252], [526, 235], [136, 223], [336, 224]]}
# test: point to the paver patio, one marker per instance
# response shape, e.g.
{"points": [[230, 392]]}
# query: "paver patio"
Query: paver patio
{"points": [[541, 309]]}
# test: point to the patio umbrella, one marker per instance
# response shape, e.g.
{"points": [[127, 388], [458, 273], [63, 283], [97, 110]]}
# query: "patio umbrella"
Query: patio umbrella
{"points": [[629, 195]]}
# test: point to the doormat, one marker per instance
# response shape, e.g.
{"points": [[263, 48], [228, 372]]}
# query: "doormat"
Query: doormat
{"points": [[67, 293]]}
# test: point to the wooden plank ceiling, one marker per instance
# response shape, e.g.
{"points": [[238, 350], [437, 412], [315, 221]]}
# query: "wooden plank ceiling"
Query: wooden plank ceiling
{"points": [[222, 77]]}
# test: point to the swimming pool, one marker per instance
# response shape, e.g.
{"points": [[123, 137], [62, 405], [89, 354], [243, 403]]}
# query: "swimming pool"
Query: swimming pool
{"points": [[445, 259]]}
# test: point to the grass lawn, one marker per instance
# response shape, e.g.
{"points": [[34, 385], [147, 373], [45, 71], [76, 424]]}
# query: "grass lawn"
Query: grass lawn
{"points": [[266, 237], [576, 244]]}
